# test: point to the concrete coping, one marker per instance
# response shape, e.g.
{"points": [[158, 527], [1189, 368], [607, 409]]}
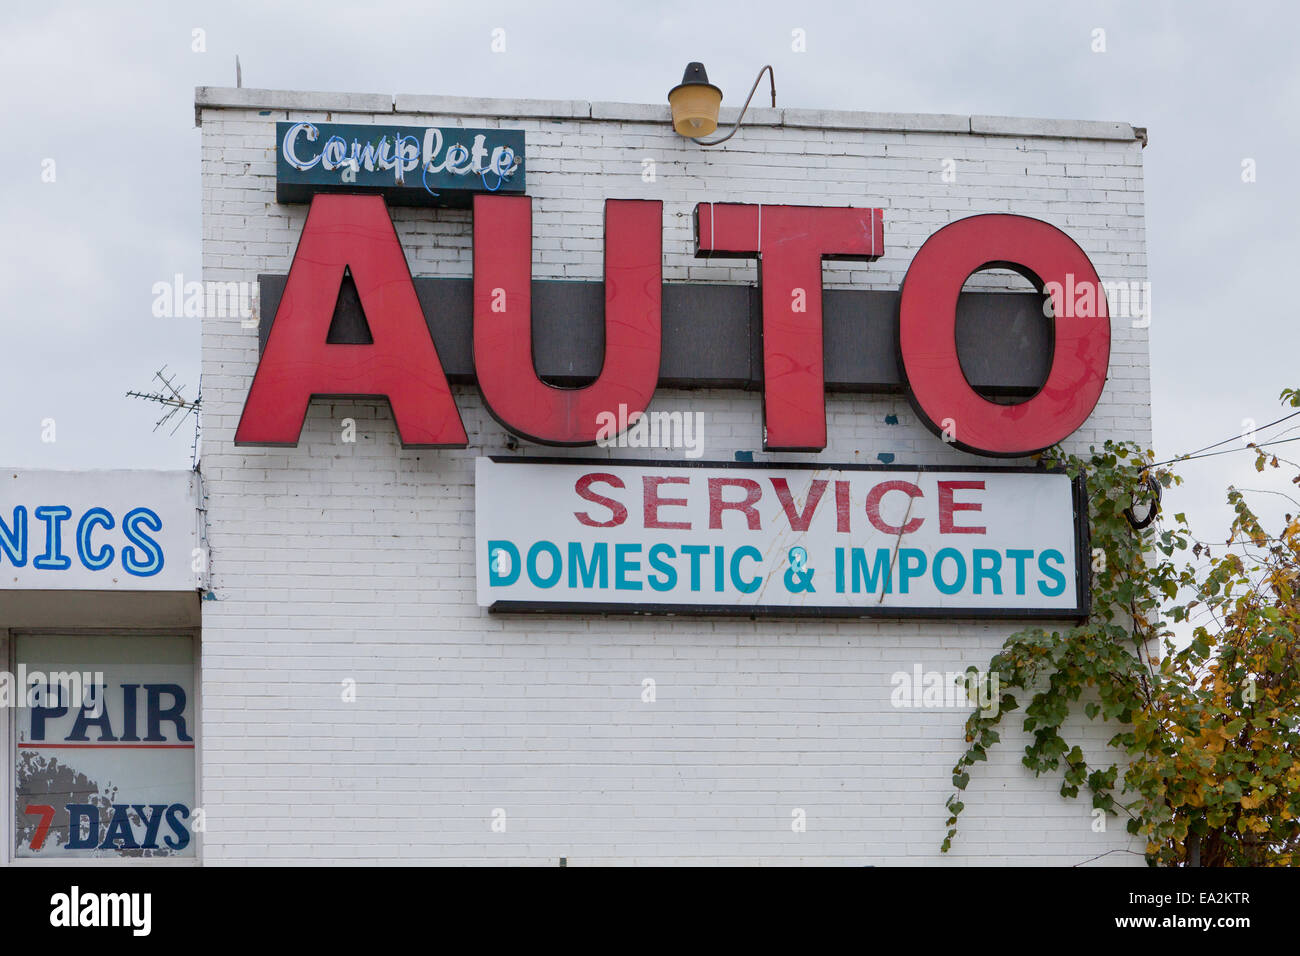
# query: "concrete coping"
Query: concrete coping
{"points": [[215, 97]]}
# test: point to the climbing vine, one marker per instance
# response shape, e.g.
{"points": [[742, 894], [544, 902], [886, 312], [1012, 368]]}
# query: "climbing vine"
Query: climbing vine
{"points": [[1207, 732]]}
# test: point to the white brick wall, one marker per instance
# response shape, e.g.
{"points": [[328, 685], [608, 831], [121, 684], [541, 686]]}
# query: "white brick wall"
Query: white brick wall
{"points": [[333, 561]]}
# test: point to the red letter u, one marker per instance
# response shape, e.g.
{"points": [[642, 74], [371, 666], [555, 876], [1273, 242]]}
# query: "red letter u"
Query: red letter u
{"points": [[503, 328]]}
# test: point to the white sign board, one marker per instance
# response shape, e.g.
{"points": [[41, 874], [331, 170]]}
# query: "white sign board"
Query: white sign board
{"points": [[778, 539], [99, 530]]}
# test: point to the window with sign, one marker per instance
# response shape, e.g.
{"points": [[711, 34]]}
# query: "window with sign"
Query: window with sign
{"points": [[105, 737]]}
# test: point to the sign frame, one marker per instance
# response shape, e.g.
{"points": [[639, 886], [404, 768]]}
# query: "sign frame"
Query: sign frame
{"points": [[1083, 552]]}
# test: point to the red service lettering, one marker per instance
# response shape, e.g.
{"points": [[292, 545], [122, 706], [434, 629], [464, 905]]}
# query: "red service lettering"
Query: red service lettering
{"points": [[652, 501], [947, 505], [617, 511], [873, 506], [717, 504]]}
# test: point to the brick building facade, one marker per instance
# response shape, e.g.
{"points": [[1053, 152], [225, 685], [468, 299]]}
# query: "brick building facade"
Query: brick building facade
{"points": [[336, 562]]}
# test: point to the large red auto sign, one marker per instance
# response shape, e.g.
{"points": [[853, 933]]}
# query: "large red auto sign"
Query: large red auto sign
{"points": [[353, 233]]}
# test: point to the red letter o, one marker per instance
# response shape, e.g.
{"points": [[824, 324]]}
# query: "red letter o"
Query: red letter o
{"points": [[938, 389]]}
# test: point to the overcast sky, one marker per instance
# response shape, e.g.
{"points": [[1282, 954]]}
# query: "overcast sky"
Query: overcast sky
{"points": [[109, 97]]}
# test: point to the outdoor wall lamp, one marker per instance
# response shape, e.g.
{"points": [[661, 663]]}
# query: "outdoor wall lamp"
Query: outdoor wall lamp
{"points": [[695, 103]]}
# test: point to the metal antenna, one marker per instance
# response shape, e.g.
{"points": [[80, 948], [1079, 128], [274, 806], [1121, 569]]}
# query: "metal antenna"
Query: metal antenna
{"points": [[171, 398]]}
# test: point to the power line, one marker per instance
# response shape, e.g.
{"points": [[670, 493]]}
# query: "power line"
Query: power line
{"points": [[1197, 453], [1226, 451]]}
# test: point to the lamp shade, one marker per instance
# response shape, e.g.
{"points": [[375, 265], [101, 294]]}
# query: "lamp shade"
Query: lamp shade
{"points": [[695, 103]]}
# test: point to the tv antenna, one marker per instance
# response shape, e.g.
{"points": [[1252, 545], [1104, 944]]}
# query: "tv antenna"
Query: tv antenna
{"points": [[172, 398]]}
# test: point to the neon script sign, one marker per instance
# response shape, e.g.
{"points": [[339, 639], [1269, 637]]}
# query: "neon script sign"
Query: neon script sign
{"points": [[408, 165], [355, 235]]}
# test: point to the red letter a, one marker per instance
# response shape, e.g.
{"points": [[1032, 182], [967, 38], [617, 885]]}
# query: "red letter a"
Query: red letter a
{"points": [[353, 233]]}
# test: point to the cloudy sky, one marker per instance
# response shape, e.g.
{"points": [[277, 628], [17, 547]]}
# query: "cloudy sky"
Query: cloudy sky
{"points": [[108, 96]]}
